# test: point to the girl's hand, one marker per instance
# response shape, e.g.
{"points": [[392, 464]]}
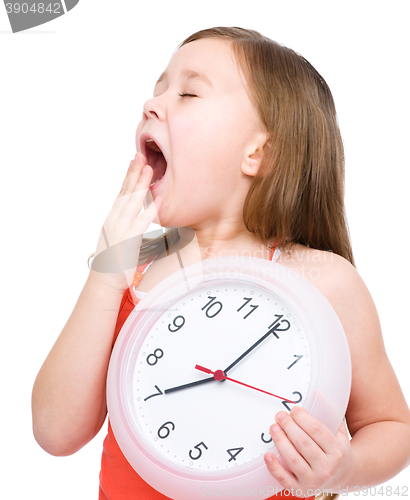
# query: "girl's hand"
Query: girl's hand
{"points": [[316, 458], [117, 253]]}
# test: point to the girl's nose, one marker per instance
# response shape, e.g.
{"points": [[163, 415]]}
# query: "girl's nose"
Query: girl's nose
{"points": [[153, 109]]}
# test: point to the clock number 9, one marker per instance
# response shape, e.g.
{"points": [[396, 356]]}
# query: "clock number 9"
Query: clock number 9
{"points": [[158, 353], [177, 326], [165, 430], [197, 447]]}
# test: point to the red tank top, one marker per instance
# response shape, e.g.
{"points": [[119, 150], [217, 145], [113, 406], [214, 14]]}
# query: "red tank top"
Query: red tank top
{"points": [[118, 480]]}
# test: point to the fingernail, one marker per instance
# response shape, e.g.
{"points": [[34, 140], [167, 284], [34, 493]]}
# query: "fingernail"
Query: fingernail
{"points": [[269, 458], [295, 408], [280, 415], [274, 428], [144, 170]]}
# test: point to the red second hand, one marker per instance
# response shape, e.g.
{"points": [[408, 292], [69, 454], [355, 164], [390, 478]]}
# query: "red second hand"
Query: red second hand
{"points": [[220, 375]]}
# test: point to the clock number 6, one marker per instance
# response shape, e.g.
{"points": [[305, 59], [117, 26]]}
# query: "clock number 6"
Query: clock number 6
{"points": [[164, 431], [286, 404], [197, 447], [158, 353]]}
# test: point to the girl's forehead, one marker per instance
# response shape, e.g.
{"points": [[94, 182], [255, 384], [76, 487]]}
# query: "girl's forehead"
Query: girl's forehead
{"points": [[210, 60]]}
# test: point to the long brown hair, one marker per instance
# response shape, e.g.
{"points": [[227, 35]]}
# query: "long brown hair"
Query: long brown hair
{"points": [[298, 194]]}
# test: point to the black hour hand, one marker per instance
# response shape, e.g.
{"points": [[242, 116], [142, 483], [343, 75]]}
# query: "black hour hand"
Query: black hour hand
{"points": [[191, 384]]}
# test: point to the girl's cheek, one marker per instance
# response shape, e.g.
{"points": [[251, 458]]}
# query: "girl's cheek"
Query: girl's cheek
{"points": [[137, 136]]}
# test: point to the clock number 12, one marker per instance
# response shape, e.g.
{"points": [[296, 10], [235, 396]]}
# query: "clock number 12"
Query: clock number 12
{"points": [[275, 326]]}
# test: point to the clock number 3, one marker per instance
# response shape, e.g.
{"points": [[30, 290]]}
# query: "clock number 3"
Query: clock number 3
{"points": [[198, 448], [266, 440]]}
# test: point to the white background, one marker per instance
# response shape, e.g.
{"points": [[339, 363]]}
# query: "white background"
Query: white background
{"points": [[71, 95]]}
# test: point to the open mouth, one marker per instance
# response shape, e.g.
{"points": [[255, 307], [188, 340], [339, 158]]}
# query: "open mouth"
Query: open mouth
{"points": [[156, 160]]}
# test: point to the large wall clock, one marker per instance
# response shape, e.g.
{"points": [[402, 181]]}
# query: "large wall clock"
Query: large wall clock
{"points": [[205, 361]]}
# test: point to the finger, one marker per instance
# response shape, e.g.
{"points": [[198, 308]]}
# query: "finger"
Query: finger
{"points": [[127, 246], [135, 224], [301, 441], [129, 207], [343, 432], [133, 199], [142, 187], [284, 477], [149, 215], [287, 450], [133, 174], [135, 165], [311, 426]]}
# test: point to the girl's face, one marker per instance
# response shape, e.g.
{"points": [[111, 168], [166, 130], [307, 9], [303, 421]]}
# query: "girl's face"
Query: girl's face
{"points": [[210, 135]]}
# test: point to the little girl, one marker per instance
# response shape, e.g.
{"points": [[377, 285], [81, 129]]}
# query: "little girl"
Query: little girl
{"points": [[239, 152]]}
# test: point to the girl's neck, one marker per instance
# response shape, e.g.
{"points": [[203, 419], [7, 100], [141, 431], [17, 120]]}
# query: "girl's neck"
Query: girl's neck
{"points": [[205, 247]]}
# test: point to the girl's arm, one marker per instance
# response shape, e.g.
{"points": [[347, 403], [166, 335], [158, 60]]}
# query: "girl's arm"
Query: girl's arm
{"points": [[68, 400], [377, 416]]}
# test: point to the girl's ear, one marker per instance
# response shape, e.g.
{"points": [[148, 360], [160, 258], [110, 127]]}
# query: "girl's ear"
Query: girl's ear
{"points": [[251, 162], [253, 156]]}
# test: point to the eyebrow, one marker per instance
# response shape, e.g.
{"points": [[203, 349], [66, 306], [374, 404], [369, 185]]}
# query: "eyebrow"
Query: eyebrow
{"points": [[189, 75]]}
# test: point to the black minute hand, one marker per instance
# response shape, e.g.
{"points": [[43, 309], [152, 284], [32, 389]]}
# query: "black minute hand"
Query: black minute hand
{"points": [[210, 379], [248, 351]]}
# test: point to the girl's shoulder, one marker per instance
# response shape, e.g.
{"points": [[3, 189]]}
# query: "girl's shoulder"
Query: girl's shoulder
{"points": [[322, 268], [336, 278]]}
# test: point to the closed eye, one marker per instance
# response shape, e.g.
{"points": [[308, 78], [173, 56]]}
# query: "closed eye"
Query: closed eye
{"points": [[188, 95]]}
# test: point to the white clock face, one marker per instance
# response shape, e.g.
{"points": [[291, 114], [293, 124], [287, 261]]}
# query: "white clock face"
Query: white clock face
{"points": [[217, 425]]}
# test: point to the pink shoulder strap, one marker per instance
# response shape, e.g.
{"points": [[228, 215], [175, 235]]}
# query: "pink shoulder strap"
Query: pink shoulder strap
{"points": [[275, 252]]}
